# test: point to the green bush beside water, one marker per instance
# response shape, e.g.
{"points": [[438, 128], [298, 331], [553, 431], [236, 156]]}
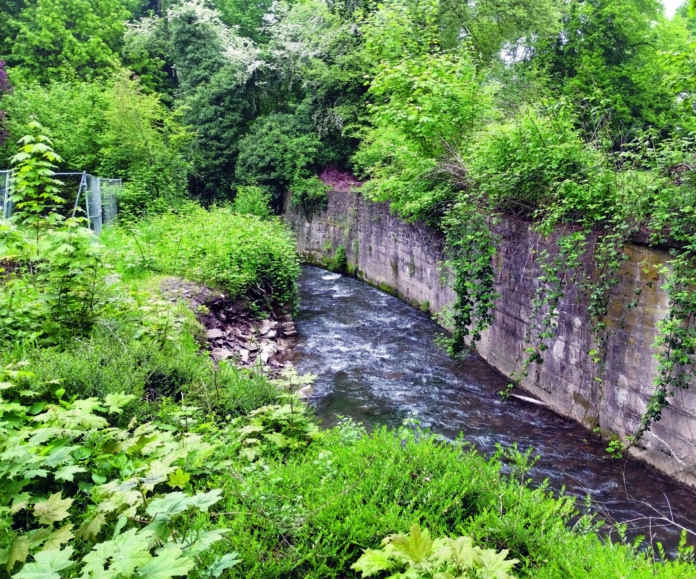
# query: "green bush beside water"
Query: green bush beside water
{"points": [[244, 255]]}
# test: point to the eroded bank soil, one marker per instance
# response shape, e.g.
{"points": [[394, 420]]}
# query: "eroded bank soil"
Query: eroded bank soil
{"points": [[233, 331]]}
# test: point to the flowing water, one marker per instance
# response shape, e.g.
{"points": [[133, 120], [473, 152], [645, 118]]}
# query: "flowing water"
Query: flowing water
{"points": [[377, 362]]}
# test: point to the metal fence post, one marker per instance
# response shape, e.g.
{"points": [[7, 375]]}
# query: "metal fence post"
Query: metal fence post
{"points": [[5, 194]]}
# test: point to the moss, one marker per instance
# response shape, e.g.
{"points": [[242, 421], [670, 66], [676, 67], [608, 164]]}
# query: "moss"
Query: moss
{"points": [[382, 286]]}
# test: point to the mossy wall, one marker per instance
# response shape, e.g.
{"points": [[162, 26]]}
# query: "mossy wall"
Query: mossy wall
{"points": [[406, 258]]}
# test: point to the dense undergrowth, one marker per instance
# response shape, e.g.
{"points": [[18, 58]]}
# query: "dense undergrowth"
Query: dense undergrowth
{"points": [[124, 451]]}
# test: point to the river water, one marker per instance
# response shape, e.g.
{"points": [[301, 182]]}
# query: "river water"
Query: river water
{"points": [[377, 362]]}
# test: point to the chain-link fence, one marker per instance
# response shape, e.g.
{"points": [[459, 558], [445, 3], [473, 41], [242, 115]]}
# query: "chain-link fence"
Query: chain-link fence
{"points": [[85, 195]]}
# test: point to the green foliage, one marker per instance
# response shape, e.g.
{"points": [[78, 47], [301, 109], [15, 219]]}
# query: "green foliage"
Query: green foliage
{"points": [[421, 556], [339, 262], [676, 339], [252, 200], [146, 53], [496, 26], [213, 66], [142, 142], [241, 254], [112, 130], [316, 71], [247, 17], [425, 103], [309, 195], [73, 39], [470, 252], [72, 114], [276, 430], [50, 285], [52, 447], [276, 153], [35, 191], [346, 491], [129, 356], [197, 39], [537, 162], [605, 59]]}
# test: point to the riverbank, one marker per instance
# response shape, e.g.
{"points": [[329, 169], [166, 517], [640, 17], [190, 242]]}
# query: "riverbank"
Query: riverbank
{"points": [[137, 451], [405, 259]]}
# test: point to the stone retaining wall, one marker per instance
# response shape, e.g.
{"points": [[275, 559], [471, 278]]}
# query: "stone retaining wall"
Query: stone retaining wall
{"points": [[405, 259]]}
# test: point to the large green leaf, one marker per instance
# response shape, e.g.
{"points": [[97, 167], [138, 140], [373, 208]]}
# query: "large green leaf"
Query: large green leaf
{"points": [[19, 551], [169, 562], [175, 503], [373, 562], [119, 557], [47, 565], [52, 510]]}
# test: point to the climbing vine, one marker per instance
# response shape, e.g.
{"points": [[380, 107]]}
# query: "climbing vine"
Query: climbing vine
{"points": [[676, 338], [470, 250], [557, 272]]}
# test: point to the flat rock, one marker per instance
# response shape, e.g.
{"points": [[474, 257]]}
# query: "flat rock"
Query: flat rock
{"points": [[215, 334], [267, 351], [221, 354], [244, 355], [266, 326], [305, 392]]}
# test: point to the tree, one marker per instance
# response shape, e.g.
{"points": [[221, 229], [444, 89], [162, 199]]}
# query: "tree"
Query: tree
{"points": [[68, 39], [142, 141], [4, 89], [606, 61], [490, 26], [9, 10], [214, 67], [71, 112], [245, 17], [197, 42]]}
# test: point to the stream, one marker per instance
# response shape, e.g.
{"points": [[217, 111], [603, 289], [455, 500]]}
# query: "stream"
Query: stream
{"points": [[377, 362]]}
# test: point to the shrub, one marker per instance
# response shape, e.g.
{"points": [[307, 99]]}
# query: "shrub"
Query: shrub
{"points": [[309, 195], [538, 161], [240, 254], [252, 200], [277, 152], [347, 491], [116, 361], [339, 262], [51, 285]]}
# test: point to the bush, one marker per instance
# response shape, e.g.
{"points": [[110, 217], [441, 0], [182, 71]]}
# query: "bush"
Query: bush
{"points": [[538, 161], [240, 254], [114, 360], [50, 282], [309, 195], [252, 200], [347, 491], [339, 262], [277, 151]]}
